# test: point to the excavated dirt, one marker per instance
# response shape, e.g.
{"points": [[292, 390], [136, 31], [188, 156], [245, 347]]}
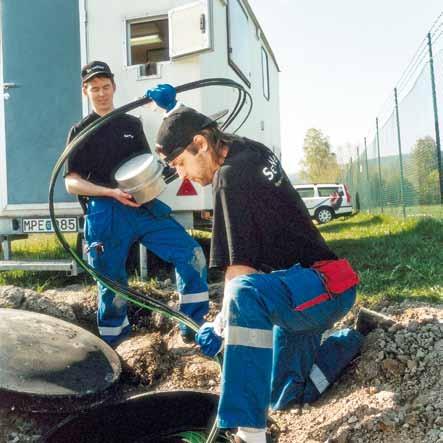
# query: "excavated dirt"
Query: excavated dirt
{"points": [[393, 392]]}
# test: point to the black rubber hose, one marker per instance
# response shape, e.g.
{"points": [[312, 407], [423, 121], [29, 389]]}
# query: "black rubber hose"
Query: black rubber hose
{"points": [[86, 133], [243, 94], [248, 113], [227, 122], [126, 292]]}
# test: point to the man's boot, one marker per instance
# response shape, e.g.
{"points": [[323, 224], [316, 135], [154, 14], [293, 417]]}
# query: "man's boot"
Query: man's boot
{"points": [[271, 435], [368, 320]]}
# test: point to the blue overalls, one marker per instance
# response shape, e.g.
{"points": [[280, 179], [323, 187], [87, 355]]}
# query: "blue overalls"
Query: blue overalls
{"points": [[273, 353], [110, 230]]}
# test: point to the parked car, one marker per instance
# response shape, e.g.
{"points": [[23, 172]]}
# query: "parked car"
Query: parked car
{"points": [[325, 200]]}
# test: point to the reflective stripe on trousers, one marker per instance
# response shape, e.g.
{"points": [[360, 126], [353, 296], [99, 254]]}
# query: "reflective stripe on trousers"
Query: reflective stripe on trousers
{"points": [[113, 331], [270, 349], [254, 338]]}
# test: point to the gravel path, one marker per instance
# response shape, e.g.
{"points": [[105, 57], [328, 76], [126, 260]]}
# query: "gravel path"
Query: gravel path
{"points": [[393, 392]]}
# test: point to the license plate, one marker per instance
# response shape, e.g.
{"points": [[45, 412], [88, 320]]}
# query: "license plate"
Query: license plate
{"points": [[65, 224]]}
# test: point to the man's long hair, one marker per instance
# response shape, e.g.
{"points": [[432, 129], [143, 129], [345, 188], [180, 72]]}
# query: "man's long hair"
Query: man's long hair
{"points": [[216, 139]]}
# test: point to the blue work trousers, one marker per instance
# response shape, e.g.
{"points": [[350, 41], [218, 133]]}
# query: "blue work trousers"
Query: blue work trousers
{"points": [[110, 230], [273, 354]]}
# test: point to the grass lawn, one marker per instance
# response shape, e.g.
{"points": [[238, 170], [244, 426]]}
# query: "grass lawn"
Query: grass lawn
{"points": [[435, 211], [41, 247], [396, 259]]}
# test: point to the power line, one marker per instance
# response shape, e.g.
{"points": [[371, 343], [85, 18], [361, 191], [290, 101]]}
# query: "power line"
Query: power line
{"points": [[436, 21], [413, 62]]}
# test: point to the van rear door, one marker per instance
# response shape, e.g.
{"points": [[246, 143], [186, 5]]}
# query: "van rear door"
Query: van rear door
{"points": [[335, 197]]}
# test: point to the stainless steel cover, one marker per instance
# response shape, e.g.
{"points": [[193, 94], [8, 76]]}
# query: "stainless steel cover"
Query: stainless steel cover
{"points": [[141, 176]]}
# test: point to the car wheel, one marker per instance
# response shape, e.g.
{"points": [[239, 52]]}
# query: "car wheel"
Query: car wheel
{"points": [[324, 215]]}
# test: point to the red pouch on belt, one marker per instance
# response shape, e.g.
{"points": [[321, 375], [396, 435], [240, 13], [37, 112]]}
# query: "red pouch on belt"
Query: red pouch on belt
{"points": [[338, 275]]}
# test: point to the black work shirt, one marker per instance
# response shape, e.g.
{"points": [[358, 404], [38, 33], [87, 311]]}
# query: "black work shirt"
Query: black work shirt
{"points": [[100, 156], [259, 218]]}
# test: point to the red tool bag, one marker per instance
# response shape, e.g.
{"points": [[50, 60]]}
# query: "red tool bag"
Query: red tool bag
{"points": [[337, 275]]}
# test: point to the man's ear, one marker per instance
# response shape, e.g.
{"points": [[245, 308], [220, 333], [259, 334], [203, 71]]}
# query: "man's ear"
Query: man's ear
{"points": [[201, 142]]}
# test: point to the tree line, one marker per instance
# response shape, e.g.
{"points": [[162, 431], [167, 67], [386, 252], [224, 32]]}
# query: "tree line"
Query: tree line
{"points": [[420, 171]]}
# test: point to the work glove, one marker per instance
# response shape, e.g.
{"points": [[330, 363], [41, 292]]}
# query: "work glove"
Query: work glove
{"points": [[209, 341], [163, 95]]}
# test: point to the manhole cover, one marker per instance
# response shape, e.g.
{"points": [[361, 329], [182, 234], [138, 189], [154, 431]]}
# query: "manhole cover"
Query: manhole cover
{"points": [[50, 364]]}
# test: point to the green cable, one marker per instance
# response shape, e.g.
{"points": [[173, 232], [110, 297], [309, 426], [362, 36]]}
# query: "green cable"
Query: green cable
{"points": [[127, 293]]}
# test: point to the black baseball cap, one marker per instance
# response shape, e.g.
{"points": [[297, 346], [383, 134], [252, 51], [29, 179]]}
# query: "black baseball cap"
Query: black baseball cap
{"points": [[178, 129], [95, 68]]}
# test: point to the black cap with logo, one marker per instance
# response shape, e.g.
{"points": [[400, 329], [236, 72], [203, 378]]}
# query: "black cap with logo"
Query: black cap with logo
{"points": [[95, 68], [178, 129]]}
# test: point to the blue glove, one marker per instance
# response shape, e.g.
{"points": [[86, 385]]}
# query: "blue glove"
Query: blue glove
{"points": [[210, 342], [163, 95]]}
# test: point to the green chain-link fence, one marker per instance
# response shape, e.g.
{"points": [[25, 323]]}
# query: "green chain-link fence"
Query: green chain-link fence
{"points": [[398, 169]]}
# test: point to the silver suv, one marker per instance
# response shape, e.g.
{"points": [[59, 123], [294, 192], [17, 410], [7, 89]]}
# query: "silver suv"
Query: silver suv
{"points": [[325, 201]]}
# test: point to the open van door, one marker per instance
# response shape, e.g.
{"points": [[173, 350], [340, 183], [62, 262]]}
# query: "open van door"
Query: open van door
{"points": [[190, 29]]}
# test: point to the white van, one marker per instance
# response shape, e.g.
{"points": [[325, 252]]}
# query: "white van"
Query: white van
{"points": [[325, 200]]}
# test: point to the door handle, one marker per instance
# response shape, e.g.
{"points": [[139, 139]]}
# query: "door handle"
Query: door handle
{"points": [[202, 23], [7, 86]]}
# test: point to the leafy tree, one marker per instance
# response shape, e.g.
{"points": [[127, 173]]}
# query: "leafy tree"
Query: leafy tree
{"points": [[430, 191], [424, 163], [392, 189], [319, 163]]}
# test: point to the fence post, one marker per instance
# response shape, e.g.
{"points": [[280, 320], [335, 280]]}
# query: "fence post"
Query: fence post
{"points": [[437, 129], [366, 160], [367, 192], [402, 190], [379, 166], [358, 179], [351, 174]]}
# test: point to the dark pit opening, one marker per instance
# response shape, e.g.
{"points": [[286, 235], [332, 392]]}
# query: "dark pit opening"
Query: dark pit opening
{"points": [[147, 418]]}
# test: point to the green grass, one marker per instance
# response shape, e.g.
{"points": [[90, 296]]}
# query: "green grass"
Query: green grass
{"points": [[435, 211], [396, 259], [40, 247], [47, 247], [43, 246]]}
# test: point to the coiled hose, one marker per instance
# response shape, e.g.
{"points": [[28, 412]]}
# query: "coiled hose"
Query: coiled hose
{"points": [[129, 294]]}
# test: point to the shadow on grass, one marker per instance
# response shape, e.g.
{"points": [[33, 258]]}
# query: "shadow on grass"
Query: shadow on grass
{"points": [[403, 265], [338, 226]]}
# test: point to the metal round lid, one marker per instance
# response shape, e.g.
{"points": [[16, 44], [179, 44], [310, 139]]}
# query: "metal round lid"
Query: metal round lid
{"points": [[135, 166], [45, 358]]}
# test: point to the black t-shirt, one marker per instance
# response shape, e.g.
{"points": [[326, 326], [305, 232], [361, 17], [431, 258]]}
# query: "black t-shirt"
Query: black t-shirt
{"points": [[101, 155], [259, 218]]}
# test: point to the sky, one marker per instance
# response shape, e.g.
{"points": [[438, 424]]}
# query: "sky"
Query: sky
{"points": [[340, 61]]}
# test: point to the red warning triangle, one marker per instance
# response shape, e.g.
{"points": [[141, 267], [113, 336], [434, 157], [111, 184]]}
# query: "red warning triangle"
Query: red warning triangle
{"points": [[186, 188]]}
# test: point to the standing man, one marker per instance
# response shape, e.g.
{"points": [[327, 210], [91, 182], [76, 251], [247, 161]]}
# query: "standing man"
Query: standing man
{"points": [[114, 221], [271, 322]]}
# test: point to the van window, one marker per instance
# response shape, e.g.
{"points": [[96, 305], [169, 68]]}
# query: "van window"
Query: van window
{"points": [[327, 191], [265, 73], [305, 192], [148, 42], [239, 53]]}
